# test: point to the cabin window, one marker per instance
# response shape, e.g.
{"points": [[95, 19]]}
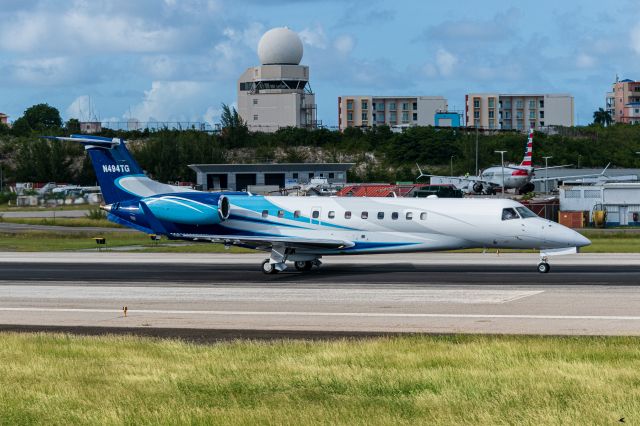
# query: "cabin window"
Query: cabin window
{"points": [[364, 215], [332, 214], [380, 215], [296, 213], [265, 213], [315, 214], [509, 214], [423, 216], [409, 216], [347, 215], [394, 215], [280, 213], [525, 212]]}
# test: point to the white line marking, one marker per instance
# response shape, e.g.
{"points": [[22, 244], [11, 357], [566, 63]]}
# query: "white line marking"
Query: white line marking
{"points": [[327, 314]]}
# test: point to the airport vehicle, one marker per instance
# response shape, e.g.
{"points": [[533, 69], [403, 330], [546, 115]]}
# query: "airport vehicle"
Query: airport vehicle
{"points": [[510, 176], [303, 229]]}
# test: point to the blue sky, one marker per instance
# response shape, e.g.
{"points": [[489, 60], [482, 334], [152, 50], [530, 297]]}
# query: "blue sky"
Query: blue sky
{"points": [[180, 59]]}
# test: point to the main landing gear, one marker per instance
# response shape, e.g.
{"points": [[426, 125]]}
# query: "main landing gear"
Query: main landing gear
{"points": [[300, 265], [543, 266]]}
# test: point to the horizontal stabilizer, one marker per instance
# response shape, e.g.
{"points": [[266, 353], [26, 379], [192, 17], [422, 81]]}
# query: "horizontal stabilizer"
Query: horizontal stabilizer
{"points": [[94, 141]]}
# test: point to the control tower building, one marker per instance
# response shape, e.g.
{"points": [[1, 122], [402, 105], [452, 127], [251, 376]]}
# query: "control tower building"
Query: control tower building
{"points": [[277, 94]]}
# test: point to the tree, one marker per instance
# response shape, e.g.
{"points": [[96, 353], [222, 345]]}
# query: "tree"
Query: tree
{"points": [[43, 116], [234, 129], [73, 125], [602, 117]]}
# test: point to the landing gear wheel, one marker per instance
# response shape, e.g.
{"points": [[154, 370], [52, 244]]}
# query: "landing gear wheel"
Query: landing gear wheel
{"points": [[302, 265], [543, 267], [268, 268], [477, 188]]}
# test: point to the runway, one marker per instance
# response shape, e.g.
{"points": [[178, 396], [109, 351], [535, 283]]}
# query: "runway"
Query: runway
{"points": [[225, 295]]}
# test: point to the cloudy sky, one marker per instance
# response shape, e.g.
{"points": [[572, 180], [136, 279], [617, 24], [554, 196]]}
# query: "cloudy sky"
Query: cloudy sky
{"points": [[174, 60]]}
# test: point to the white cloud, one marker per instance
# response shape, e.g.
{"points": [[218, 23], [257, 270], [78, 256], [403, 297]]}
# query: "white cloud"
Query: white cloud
{"points": [[584, 60], [212, 115], [314, 37], [42, 71], [161, 67], [80, 108], [344, 44], [634, 37], [445, 61], [173, 101]]}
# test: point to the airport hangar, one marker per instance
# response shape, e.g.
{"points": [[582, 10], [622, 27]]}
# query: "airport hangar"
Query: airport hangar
{"points": [[237, 177]]}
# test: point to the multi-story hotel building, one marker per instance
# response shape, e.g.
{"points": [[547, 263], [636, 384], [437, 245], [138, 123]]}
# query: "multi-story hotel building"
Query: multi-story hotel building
{"points": [[519, 112], [623, 102], [404, 111]]}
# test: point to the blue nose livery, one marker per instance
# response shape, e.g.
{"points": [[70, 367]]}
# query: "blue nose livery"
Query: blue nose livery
{"points": [[302, 230]]}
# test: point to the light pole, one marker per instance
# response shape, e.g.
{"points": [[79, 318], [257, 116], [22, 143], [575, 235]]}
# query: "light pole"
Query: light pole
{"points": [[501, 164], [477, 150], [579, 160], [546, 173], [452, 165]]}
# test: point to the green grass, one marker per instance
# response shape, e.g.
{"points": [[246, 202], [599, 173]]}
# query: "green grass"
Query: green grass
{"points": [[33, 241], [61, 221], [61, 379], [7, 208]]}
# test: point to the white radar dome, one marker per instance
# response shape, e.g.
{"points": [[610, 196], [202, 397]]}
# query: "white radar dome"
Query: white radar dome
{"points": [[280, 46]]}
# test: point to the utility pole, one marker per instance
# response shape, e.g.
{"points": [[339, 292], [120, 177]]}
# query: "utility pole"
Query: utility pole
{"points": [[452, 165], [502, 164], [546, 174], [477, 150]]}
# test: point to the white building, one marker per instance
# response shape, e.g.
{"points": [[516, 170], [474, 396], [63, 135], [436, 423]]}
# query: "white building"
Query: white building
{"points": [[276, 93], [621, 200]]}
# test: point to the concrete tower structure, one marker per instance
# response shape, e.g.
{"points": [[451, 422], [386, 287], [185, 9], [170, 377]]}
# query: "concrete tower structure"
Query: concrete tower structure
{"points": [[277, 94]]}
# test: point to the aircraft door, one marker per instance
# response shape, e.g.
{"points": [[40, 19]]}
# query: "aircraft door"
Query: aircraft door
{"points": [[315, 216]]}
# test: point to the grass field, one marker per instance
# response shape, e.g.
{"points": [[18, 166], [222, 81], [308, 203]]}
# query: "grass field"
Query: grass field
{"points": [[61, 379], [61, 221], [617, 242]]}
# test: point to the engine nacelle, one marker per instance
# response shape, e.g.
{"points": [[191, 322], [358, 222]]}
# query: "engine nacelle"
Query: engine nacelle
{"points": [[190, 209]]}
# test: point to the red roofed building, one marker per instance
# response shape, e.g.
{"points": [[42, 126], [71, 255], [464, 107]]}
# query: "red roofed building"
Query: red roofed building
{"points": [[4, 119]]}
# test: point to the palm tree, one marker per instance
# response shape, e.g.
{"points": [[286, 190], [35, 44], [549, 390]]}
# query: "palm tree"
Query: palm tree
{"points": [[602, 117]]}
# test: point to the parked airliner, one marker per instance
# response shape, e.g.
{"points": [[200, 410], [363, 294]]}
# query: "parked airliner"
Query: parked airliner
{"points": [[304, 229]]}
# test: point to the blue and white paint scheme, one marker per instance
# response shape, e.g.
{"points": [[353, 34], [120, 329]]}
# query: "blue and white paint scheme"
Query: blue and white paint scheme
{"points": [[304, 229]]}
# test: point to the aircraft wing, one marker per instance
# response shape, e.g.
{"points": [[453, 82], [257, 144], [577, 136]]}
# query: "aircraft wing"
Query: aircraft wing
{"points": [[571, 177], [255, 240]]}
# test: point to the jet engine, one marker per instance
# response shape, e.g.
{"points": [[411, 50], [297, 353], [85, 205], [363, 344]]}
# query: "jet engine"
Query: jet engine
{"points": [[209, 210]]}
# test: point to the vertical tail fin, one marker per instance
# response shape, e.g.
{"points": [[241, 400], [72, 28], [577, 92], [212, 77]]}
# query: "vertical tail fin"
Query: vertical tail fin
{"points": [[112, 162], [526, 161]]}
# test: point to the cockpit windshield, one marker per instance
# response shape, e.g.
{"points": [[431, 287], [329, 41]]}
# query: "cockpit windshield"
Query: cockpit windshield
{"points": [[508, 214], [526, 213]]}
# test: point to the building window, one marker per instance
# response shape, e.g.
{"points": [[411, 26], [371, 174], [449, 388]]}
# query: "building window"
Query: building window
{"points": [[532, 114], [492, 102], [415, 116], [380, 215], [507, 104], [349, 104], [364, 215], [255, 117], [405, 117], [294, 175], [532, 124], [296, 213], [365, 105], [507, 115], [311, 175], [491, 114], [519, 104], [519, 115], [364, 116], [423, 216], [340, 175], [409, 216], [541, 114], [476, 114], [331, 175], [476, 122], [415, 106], [541, 103], [255, 102], [476, 103], [492, 124], [380, 106], [347, 215], [405, 106], [265, 213], [532, 104], [392, 117], [392, 106], [350, 116], [380, 117], [542, 124], [394, 215], [331, 214]]}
